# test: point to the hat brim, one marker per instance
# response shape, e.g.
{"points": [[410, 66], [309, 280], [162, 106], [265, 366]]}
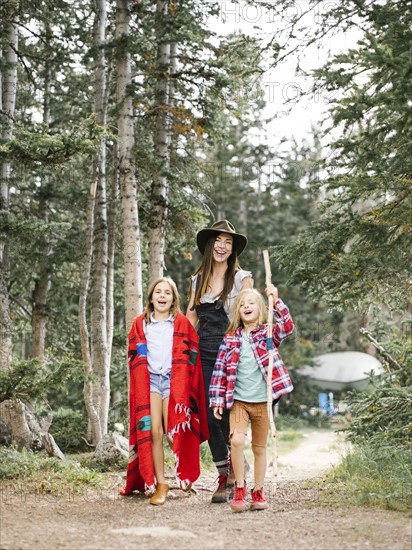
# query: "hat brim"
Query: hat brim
{"points": [[239, 240]]}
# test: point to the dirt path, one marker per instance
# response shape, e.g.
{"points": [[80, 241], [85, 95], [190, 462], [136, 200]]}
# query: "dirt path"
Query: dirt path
{"points": [[103, 520]]}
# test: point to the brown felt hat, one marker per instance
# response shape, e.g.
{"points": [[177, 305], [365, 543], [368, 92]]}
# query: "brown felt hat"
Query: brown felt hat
{"points": [[222, 226]]}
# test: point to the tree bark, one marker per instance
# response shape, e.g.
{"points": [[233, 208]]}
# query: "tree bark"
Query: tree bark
{"points": [[43, 281], [8, 87], [99, 343], [24, 430], [127, 178], [160, 185], [40, 293], [110, 265], [88, 391]]}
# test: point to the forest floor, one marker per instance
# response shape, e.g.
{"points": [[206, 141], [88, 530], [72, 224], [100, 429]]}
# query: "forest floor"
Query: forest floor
{"points": [[296, 519]]}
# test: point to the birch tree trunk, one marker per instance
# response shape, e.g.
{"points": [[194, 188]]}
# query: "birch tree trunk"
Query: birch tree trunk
{"points": [[8, 89], [96, 352], [94, 430], [114, 178], [99, 343], [110, 265], [127, 178], [160, 186], [96, 346]]}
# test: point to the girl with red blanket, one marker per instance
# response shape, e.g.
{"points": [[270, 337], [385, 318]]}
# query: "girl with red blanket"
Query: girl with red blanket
{"points": [[166, 395]]}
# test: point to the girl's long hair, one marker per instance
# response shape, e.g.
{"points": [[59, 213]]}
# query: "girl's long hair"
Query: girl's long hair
{"points": [[236, 320], [205, 270], [174, 310]]}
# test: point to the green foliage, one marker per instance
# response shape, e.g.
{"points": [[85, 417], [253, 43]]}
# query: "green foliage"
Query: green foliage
{"points": [[373, 476], [34, 472], [33, 379], [359, 251], [68, 428], [345, 257], [39, 145], [382, 418]]}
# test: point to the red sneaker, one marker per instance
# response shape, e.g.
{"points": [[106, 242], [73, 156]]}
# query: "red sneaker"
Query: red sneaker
{"points": [[259, 501], [238, 503]]}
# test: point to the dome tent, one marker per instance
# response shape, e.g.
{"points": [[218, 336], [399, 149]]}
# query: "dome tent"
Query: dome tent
{"points": [[342, 370]]}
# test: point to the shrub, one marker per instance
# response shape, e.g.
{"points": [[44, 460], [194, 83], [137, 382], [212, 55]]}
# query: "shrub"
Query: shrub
{"points": [[382, 417], [372, 476], [69, 428], [43, 474]]}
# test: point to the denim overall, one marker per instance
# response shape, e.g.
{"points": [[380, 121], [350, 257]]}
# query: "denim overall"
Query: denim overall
{"points": [[213, 323]]}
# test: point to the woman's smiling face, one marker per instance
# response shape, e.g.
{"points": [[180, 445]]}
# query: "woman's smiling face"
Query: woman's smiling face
{"points": [[223, 247]]}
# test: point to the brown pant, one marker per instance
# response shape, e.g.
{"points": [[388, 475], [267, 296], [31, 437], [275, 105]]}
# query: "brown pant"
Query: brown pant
{"points": [[257, 413]]}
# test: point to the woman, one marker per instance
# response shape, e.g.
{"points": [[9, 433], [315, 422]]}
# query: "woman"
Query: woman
{"points": [[214, 287]]}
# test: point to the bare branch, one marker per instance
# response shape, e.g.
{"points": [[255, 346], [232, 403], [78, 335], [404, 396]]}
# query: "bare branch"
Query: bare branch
{"points": [[388, 358]]}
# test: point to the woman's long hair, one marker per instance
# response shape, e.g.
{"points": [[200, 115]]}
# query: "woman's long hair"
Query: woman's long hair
{"points": [[174, 310], [236, 320], [206, 268]]}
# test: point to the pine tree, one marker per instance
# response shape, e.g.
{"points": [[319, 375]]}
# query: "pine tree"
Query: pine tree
{"points": [[8, 92], [359, 251]]}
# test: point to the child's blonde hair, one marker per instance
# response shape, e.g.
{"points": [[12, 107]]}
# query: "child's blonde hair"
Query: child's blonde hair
{"points": [[175, 309], [236, 320]]}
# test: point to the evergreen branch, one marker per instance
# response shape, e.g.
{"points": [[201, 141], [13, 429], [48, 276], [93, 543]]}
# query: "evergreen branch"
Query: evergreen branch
{"points": [[388, 358], [22, 306]]}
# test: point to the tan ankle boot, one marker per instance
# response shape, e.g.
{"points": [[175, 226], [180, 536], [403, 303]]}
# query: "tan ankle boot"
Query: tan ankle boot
{"points": [[159, 496]]}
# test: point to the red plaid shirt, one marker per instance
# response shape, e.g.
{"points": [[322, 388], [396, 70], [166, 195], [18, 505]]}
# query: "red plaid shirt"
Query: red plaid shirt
{"points": [[223, 380]]}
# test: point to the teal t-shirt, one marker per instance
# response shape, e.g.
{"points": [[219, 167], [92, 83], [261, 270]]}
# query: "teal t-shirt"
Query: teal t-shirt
{"points": [[250, 384]]}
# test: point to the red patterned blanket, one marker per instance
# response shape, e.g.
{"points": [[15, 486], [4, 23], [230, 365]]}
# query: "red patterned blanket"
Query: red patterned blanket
{"points": [[187, 420]]}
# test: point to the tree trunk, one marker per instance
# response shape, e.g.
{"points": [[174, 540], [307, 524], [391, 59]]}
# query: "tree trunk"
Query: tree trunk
{"points": [[96, 351], [127, 178], [88, 391], [160, 186], [43, 280], [23, 429], [99, 344], [110, 266], [8, 87], [40, 293]]}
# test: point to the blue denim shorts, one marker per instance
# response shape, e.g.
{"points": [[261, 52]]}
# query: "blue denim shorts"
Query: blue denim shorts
{"points": [[160, 383]]}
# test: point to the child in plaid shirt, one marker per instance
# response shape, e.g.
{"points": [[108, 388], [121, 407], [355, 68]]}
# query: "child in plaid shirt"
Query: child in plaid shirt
{"points": [[239, 383]]}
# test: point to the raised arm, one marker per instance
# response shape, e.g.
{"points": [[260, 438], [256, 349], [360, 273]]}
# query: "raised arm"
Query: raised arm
{"points": [[282, 321]]}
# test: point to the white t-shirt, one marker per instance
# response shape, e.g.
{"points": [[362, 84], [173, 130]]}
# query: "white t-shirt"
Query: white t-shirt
{"points": [[159, 337], [208, 298]]}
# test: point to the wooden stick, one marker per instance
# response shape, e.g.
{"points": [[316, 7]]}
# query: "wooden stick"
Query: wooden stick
{"points": [[273, 439]]}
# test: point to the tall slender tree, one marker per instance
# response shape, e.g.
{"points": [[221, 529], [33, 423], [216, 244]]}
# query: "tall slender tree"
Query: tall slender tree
{"points": [[8, 91], [359, 250], [159, 197], [97, 358], [127, 178], [43, 280]]}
